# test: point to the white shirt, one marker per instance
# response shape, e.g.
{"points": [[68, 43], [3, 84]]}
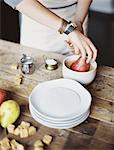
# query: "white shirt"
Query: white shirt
{"points": [[57, 3], [41, 37]]}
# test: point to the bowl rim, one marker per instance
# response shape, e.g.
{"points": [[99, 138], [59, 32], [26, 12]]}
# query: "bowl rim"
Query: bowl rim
{"points": [[64, 64]]}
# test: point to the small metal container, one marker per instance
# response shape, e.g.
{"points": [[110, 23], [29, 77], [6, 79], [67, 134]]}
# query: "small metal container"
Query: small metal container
{"points": [[27, 65], [51, 64]]}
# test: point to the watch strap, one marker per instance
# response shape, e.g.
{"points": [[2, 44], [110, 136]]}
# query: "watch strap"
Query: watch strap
{"points": [[63, 26]]}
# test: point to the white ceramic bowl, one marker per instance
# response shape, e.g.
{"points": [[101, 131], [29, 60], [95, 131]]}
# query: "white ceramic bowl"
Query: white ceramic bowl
{"points": [[82, 77]]}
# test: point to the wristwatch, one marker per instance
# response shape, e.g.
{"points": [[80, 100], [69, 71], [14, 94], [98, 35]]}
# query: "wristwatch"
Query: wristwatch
{"points": [[70, 27]]}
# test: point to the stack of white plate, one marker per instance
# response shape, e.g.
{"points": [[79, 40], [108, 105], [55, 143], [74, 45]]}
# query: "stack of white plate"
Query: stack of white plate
{"points": [[61, 103]]}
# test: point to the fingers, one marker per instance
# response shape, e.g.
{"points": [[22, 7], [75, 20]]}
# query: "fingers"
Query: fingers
{"points": [[88, 52], [77, 50], [69, 46], [73, 49], [82, 50], [83, 45], [93, 49]]}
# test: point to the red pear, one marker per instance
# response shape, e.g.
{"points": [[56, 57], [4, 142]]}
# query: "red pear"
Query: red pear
{"points": [[3, 95]]}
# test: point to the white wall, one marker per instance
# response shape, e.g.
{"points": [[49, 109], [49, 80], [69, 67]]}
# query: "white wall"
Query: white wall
{"points": [[104, 6]]}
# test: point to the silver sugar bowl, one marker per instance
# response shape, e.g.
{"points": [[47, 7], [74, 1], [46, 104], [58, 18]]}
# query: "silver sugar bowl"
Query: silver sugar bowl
{"points": [[27, 65]]}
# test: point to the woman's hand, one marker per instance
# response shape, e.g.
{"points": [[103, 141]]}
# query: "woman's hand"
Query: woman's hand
{"points": [[81, 44]]}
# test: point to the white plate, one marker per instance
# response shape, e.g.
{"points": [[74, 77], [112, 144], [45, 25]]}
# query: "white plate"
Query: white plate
{"points": [[57, 121], [60, 123], [60, 126], [60, 99]]}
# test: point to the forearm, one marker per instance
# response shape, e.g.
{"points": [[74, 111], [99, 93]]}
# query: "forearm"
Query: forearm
{"points": [[82, 10], [39, 13]]}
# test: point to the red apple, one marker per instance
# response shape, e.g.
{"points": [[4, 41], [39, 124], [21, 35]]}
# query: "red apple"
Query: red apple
{"points": [[3, 95], [80, 65]]}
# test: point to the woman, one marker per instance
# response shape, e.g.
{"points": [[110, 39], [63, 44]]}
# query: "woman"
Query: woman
{"points": [[47, 24]]}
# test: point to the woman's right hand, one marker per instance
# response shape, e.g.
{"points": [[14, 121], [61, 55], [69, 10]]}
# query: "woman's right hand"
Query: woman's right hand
{"points": [[83, 45]]}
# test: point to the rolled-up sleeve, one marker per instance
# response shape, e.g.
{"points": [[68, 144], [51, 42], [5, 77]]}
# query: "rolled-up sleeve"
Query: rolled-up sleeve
{"points": [[13, 3]]}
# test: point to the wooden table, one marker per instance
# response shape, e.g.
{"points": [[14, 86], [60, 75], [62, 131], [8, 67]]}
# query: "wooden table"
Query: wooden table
{"points": [[96, 133]]}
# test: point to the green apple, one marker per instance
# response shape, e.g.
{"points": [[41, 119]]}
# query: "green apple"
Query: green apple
{"points": [[9, 112]]}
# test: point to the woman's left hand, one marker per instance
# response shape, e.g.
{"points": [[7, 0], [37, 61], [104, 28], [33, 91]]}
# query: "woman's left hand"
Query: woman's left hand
{"points": [[83, 45]]}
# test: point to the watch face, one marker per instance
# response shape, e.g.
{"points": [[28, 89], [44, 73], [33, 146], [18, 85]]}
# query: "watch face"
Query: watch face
{"points": [[70, 29]]}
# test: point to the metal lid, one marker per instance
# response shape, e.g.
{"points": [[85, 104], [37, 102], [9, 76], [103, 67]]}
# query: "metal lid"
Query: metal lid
{"points": [[26, 60]]}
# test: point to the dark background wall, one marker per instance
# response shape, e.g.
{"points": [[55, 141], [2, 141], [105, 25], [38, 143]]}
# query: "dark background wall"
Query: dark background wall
{"points": [[9, 23], [101, 31]]}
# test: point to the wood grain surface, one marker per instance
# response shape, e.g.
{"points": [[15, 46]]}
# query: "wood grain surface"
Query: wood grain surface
{"points": [[96, 133]]}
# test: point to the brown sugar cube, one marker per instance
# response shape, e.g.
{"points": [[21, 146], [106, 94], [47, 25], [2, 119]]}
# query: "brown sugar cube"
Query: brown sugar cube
{"points": [[18, 81], [15, 66], [39, 148], [20, 147], [4, 140], [32, 130], [11, 128], [23, 133], [4, 147], [16, 146], [19, 76], [19, 127], [38, 143], [25, 124], [47, 139], [4, 143], [17, 131], [13, 144]]}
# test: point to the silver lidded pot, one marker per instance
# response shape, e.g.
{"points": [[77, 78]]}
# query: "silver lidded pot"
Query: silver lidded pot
{"points": [[27, 65]]}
